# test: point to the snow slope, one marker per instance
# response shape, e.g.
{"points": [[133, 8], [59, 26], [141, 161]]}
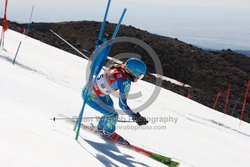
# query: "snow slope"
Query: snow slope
{"points": [[47, 82]]}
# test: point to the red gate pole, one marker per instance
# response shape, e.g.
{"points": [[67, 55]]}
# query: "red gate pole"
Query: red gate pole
{"points": [[245, 100], [216, 99]]}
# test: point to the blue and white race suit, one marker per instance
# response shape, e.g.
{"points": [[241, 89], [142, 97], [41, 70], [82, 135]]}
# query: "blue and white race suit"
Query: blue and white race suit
{"points": [[99, 98]]}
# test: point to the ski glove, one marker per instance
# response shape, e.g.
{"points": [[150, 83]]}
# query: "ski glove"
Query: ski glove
{"points": [[140, 120]]}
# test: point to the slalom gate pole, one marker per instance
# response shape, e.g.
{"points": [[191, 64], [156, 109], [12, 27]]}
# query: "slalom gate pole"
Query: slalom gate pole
{"points": [[32, 10], [235, 105], [119, 23], [94, 71], [216, 99], [14, 60], [104, 22], [116, 31], [79, 121], [244, 102], [2, 39]]}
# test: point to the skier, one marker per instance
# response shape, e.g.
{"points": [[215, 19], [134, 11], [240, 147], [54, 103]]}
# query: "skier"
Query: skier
{"points": [[116, 77]]}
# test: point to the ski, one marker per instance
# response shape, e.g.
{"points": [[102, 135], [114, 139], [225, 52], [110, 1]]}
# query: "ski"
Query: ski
{"points": [[160, 158]]}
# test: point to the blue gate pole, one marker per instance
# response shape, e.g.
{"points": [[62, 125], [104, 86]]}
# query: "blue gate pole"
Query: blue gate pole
{"points": [[94, 71], [79, 120], [119, 23], [14, 60], [30, 21], [235, 105], [104, 22]]}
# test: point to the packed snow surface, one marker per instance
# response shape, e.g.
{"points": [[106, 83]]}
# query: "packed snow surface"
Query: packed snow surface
{"points": [[46, 82]]}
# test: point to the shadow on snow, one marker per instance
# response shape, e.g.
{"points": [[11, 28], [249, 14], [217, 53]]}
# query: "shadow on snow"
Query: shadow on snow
{"points": [[112, 151]]}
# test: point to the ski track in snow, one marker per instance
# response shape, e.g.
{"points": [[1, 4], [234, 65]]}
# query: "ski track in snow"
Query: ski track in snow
{"points": [[62, 82]]}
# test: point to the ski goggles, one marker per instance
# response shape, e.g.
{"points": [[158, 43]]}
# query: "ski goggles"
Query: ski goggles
{"points": [[135, 75], [140, 76]]}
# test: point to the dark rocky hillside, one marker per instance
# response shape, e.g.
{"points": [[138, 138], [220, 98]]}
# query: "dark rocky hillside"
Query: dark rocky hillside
{"points": [[207, 72]]}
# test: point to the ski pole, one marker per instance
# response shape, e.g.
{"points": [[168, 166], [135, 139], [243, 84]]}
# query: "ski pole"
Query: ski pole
{"points": [[85, 118], [110, 58], [69, 44]]}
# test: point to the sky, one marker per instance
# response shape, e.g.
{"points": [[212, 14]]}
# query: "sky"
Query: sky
{"points": [[205, 23]]}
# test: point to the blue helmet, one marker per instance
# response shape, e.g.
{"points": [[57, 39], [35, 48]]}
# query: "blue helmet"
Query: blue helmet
{"points": [[136, 67]]}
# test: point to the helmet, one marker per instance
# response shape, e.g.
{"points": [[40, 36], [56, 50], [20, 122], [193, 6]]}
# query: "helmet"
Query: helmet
{"points": [[136, 67]]}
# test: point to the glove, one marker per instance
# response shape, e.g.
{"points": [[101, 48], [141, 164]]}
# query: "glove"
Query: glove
{"points": [[140, 120]]}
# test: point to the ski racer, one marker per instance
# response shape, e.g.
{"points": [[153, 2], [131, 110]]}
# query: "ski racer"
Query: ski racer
{"points": [[116, 77]]}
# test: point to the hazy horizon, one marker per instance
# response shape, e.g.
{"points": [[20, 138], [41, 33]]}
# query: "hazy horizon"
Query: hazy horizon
{"points": [[204, 23]]}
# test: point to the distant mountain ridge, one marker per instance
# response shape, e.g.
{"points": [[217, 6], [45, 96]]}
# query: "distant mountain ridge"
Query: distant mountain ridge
{"points": [[245, 52], [207, 72]]}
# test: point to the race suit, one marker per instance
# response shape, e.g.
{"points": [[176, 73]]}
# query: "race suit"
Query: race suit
{"points": [[99, 98]]}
